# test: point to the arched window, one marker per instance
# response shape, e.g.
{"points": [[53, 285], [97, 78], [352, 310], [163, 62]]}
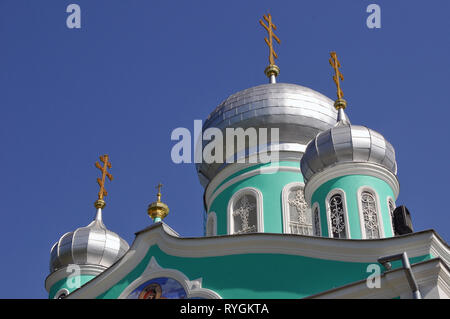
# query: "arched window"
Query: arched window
{"points": [[296, 213], [337, 215], [316, 220], [370, 215], [211, 224], [245, 212]]}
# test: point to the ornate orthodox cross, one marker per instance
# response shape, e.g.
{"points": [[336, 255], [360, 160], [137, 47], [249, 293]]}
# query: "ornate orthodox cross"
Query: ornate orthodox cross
{"points": [[269, 41], [104, 169], [244, 210], [334, 62], [300, 205]]}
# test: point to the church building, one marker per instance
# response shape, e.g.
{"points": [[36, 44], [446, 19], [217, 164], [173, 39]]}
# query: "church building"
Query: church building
{"points": [[320, 221]]}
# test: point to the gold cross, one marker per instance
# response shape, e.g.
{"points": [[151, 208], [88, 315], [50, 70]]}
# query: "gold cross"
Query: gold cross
{"points": [[334, 62], [269, 41], [101, 182]]}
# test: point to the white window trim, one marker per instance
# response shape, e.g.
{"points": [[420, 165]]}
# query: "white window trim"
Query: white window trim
{"points": [[344, 205], [213, 217], [314, 206], [361, 215], [259, 209], [389, 198], [285, 204]]}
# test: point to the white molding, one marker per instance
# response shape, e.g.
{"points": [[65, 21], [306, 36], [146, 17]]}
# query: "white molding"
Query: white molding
{"points": [[259, 209], [360, 211], [291, 152], [354, 168], [213, 218], [259, 171], [328, 211], [153, 270], [62, 273], [361, 251], [285, 204], [429, 274], [314, 206], [252, 155]]}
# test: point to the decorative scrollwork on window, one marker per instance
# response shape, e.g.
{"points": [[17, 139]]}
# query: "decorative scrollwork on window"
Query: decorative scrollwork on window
{"points": [[337, 216], [244, 215], [370, 215], [300, 220]]}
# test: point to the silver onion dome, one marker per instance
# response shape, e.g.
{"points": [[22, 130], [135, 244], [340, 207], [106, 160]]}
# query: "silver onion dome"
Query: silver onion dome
{"points": [[299, 113], [90, 245], [347, 143]]}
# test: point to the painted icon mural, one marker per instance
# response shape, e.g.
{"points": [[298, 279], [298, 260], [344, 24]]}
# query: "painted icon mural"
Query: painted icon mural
{"points": [[159, 288]]}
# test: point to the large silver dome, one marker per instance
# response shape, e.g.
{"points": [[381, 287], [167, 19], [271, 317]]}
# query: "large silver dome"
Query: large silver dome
{"points": [[299, 113], [347, 143], [90, 245]]}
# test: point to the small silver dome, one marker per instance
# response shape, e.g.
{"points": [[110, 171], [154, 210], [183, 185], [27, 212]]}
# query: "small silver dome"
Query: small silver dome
{"points": [[299, 113], [347, 143], [90, 245]]}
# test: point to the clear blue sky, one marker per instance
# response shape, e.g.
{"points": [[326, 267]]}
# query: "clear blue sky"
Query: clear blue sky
{"points": [[136, 70]]}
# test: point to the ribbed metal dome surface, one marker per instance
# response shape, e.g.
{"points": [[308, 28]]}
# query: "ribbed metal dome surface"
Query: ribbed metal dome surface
{"points": [[90, 245], [347, 143], [299, 113]]}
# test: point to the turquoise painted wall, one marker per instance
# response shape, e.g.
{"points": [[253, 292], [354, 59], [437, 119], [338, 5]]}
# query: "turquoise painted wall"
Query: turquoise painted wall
{"points": [[350, 184], [63, 283], [255, 276], [271, 187]]}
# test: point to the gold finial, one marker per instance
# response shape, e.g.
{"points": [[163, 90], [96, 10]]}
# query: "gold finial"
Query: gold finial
{"points": [[158, 195], [100, 203], [158, 210], [340, 103], [272, 70]]}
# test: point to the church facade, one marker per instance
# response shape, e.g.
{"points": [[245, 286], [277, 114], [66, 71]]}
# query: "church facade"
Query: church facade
{"points": [[319, 222]]}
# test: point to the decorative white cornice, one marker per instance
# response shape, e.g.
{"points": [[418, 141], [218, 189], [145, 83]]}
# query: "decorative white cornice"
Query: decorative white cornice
{"points": [[344, 169], [286, 154], [259, 171], [429, 275], [253, 154], [65, 272], [347, 250]]}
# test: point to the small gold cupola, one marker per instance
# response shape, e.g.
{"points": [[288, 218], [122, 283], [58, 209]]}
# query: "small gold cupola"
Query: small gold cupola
{"points": [[158, 210]]}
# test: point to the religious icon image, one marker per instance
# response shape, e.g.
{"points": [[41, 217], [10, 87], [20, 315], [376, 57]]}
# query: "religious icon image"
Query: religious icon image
{"points": [[159, 288], [152, 291]]}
